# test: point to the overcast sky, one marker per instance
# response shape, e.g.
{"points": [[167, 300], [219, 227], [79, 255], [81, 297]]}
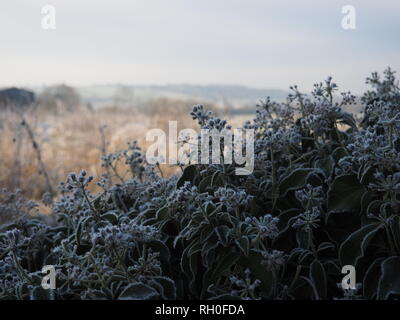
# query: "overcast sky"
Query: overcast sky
{"points": [[259, 43]]}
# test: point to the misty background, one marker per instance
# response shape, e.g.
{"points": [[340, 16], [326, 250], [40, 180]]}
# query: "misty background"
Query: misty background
{"points": [[112, 70], [239, 49]]}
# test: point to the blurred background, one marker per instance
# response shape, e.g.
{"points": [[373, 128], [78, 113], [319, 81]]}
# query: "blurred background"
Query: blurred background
{"points": [[111, 70]]}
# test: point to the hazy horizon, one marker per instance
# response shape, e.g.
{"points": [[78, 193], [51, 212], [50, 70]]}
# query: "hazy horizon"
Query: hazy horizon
{"points": [[257, 44]]}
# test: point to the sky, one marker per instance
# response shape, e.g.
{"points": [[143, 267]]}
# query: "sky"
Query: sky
{"points": [[256, 43]]}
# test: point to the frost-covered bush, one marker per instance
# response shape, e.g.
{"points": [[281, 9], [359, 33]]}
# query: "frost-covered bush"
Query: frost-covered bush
{"points": [[324, 194]]}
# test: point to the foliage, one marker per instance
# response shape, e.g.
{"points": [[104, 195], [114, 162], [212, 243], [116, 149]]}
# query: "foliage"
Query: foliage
{"points": [[324, 194]]}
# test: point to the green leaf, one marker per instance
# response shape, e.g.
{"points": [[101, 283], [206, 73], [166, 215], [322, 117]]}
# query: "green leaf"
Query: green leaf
{"points": [[318, 276], [304, 256], [210, 208], [195, 247], [394, 224], [311, 284], [167, 287], [189, 173], [367, 175], [244, 245], [38, 293], [325, 246], [208, 252], [159, 246], [347, 118], [221, 267], [223, 234], [389, 281], [371, 279], [339, 153], [162, 216], [353, 248], [224, 264], [225, 296], [110, 216], [295, 180], [259, 271], [205, 184], [138, 291], [302, 238], [206, 232], [326, 165], [374, 206], [8, 226], [366, 199], [78, 231], [162, 213], [345, 194], [215, 179], [189, 263]]}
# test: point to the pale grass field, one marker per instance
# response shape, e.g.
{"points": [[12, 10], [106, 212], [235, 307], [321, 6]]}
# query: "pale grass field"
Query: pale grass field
{"points": [[69, 142]]}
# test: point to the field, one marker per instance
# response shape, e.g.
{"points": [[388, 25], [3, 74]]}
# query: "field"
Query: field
{"points": [[318, 218], [69, 141]]}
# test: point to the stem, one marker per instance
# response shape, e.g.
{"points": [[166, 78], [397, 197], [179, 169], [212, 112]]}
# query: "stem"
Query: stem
{"points": [[388, 234], [311, 244], [101, 279], [296, 276], [97, 216], [103, 149], [116, 173], [159, 169], [38, 155], [21, 272], [273, 181], [121, 262]]}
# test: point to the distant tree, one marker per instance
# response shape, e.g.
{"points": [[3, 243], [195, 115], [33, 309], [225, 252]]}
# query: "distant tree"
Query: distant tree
{"points": [[14, 97], [60, 98]]}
